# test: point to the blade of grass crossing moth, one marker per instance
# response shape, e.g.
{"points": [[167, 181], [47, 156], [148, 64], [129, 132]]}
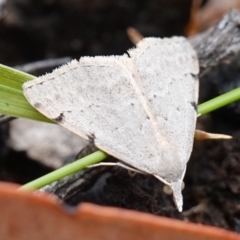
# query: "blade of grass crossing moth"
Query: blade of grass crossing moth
{"points": [[13, 78], [12, 100], [220, 101], [65, 171]]}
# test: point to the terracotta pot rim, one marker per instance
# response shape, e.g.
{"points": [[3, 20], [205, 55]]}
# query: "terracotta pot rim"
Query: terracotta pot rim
{"points": [[102, 219]]}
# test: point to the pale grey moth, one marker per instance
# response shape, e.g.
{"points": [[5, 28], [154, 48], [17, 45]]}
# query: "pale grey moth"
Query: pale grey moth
{"points": [[139, 108]]}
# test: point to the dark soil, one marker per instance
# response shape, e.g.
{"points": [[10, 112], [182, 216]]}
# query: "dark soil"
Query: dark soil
{"points": [[36, 30]]}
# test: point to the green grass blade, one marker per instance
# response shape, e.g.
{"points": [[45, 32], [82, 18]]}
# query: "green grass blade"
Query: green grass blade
{"points": [[13, 78], [219, 101], [65, 171], [12, 100]]}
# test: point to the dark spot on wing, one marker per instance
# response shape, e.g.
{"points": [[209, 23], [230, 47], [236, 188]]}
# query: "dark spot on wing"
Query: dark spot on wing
{"points": [[195, 77], [148, 117], [37, 105], [132, 104], [194, 57], [59, 118], [91, 137], [194, 105]]}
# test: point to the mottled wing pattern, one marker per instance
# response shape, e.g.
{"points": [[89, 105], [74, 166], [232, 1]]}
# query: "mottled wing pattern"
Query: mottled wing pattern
{"points": [[95, 99]]}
